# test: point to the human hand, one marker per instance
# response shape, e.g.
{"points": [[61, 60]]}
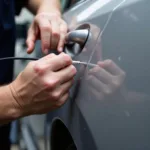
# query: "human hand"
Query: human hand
{"points": [[50, 28], [43, 85], [105, 80]]}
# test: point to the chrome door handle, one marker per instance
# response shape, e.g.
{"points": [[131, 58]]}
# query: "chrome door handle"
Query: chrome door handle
{"points": [[75, 41], [77, 36]]}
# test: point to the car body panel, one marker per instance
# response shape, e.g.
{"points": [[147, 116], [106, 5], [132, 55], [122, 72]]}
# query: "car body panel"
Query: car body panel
{"points": [[119, 32]]}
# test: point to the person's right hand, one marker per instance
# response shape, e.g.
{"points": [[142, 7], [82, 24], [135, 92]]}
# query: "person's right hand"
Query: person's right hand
{"points": [[43, 85]]}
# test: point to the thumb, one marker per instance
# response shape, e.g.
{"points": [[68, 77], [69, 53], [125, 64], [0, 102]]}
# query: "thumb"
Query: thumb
{"points": [[31, 38]]}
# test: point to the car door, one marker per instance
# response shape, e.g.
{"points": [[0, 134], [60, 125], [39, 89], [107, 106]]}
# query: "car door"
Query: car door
{"points": [[109, 104], [79, 20]]}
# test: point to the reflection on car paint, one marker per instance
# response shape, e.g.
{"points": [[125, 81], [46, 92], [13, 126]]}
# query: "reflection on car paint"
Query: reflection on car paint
{"points": [[92, 9], [114, 102], [105, 26]]}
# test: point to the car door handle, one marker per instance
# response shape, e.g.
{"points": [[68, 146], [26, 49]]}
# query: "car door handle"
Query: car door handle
{"points": [[77, 36], [75, 41]]}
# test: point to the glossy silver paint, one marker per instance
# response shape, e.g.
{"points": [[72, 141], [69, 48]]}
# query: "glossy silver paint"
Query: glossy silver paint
{"points": [[114, 114]]}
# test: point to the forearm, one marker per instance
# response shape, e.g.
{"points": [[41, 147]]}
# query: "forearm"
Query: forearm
{"points": [[8, 109], [36, 6]]}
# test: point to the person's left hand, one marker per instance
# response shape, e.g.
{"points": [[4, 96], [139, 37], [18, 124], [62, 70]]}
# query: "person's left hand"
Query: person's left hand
{"points": [[50, 28]]}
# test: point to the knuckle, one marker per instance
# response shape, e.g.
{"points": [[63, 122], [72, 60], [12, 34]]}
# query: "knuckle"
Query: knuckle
{"points": [[67, 58], [62, 101], [73, 69], [39, 69], [54, 16], [59, 104], [38, 18], [56, 34], [51, 84], [40, 15], [56, 95], [51, 16]]}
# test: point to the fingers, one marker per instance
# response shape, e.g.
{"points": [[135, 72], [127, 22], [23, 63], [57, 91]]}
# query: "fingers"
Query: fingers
{"points": [[52, 30], [64, 88], [55, 79], [55, 35], [45, 33], [59, 62], [47, 57], [31, 38], [59, 96], [43, 63], [111, 67], [51, 63], [52, 34], [56, 70], [63, 32], [66, 74], [62, 100]]}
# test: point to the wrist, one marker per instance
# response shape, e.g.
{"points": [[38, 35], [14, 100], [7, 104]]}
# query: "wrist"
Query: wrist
{"points": [[50, 11], [9, 111], [50, 7], [16, 110]]}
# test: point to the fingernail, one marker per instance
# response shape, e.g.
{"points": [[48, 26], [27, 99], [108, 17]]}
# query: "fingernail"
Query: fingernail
{"points": [[60, 49], [46, 51], [28, 50]]}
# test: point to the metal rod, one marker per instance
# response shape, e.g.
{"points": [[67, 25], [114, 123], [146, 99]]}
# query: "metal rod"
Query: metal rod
{"points": [[84, 63]]}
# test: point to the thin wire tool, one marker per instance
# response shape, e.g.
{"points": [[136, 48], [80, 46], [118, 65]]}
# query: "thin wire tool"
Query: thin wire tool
{"points": [[34, 58], [84, 63]]}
